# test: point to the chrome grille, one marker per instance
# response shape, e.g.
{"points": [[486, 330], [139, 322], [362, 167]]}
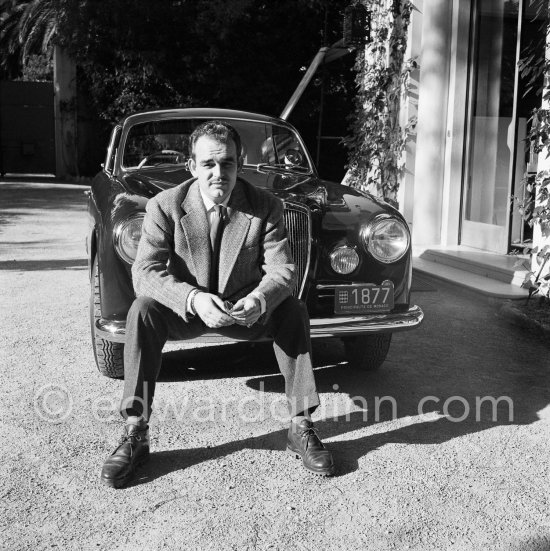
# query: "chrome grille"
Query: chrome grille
{"points": [[297, 220]]}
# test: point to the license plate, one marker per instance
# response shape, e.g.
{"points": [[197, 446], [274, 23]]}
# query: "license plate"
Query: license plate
{"points": [[358, 299]]}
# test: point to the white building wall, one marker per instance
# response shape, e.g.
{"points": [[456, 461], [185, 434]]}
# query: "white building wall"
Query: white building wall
{"points": [[433, 89], [431, 188]]}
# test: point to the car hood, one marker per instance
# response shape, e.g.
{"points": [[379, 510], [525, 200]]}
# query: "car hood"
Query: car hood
{"points": [[341, 204]]}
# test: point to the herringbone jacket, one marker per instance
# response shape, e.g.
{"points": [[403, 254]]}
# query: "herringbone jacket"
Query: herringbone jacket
{"points": [[173, 255]]}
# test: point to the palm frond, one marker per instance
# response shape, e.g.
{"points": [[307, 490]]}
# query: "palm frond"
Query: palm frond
{"points": [[27, 27]]}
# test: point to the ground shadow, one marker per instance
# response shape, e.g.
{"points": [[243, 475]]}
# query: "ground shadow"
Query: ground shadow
{"points": [[38, 265], [467, 370], [536, 543]]}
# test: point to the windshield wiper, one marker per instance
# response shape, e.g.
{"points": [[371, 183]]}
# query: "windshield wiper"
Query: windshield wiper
{"points": [[280, 167], [157, 165]]}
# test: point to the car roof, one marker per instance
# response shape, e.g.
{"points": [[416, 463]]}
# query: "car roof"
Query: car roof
{"points": [[199, 112]]}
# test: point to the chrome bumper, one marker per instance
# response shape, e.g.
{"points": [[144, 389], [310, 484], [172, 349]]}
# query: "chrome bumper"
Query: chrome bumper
{"points": [[114, 331]]}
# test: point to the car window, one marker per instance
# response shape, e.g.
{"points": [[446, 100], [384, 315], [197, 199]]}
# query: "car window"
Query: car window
{"points": [[155, 143], [270, 144], [109, 163]]}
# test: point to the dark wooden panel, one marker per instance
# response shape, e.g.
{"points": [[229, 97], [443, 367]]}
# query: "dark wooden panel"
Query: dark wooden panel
{"points": [[27, 128]]}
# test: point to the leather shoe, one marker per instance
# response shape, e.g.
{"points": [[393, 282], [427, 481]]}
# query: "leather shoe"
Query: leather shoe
{"points": [[304, 442], [133, 450]]}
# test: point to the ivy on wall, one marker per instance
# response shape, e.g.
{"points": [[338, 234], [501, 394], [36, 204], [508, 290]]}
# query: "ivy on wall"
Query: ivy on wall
{"points": [[377, 140], [534, 207], [533, 199]]}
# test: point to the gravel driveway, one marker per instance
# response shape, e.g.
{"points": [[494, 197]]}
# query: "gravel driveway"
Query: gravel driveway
{"points": [[461, 473]]}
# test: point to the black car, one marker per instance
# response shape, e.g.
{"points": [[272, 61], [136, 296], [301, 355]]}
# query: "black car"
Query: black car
{"points": [[352, 250]]}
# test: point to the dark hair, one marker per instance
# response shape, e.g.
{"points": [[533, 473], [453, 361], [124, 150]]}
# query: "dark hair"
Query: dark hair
{"points": [[219, 130]]}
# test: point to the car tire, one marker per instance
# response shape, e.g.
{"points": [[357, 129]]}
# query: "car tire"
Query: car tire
{"points": [[109, 356], [367, 352]]}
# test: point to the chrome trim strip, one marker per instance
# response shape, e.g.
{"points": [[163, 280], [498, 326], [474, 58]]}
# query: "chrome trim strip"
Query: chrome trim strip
{"points": [[336, 285], [114, 331], [357, 325]]}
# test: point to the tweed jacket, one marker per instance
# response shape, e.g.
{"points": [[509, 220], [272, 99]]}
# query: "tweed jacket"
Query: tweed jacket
{"points": [[173, 256]]}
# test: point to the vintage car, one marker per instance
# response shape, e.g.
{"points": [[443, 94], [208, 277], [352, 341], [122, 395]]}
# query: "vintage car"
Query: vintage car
{"points": [[352, 250]]}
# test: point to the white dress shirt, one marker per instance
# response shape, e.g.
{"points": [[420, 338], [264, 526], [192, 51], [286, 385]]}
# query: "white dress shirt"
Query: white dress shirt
{"points": [[209, 206]]}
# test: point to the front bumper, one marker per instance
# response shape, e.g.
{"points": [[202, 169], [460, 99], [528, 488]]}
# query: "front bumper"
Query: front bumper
{"points": [[343, 326]]}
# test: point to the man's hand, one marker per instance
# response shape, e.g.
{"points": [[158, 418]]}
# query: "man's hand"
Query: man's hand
{"points": [[211, 310], [247, 310]]}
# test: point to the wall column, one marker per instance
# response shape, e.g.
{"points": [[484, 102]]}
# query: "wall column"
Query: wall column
{"points": [[429, 166], [64, 80], [456, 122]]}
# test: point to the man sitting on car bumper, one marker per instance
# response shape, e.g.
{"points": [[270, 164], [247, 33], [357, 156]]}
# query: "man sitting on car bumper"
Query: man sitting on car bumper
{"points": [[207, 243]]}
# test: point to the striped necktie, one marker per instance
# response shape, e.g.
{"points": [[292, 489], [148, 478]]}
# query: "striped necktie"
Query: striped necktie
{"points": [[216, 231]]}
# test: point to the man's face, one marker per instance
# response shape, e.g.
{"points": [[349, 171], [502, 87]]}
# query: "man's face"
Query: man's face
{"points": [[215, 165]]}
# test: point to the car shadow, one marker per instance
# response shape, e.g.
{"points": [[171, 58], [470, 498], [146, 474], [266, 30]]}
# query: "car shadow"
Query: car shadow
{"points": [[218, 362]]}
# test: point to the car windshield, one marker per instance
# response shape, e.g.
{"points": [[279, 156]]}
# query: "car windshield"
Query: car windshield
{"points": [[265, 145]]}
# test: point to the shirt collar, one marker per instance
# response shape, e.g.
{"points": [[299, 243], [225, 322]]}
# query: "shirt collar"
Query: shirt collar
{"points": [[209, 204]]}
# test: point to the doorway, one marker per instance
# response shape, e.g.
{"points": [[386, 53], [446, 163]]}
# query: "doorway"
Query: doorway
{"points": [[499, 107]]}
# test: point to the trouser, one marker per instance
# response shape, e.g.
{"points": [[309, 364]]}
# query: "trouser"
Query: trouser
{"points": [[149, 325]]}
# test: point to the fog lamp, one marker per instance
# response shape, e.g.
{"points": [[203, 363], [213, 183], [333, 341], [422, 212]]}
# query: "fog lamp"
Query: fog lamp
{"points": [[344, 260]]}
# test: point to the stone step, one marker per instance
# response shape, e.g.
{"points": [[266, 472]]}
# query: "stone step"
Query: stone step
{"points": [[473, 281], [506, 268]]}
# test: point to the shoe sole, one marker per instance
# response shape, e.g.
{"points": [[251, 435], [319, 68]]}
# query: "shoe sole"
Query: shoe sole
{"points": [[121, 482], [328, 472]]}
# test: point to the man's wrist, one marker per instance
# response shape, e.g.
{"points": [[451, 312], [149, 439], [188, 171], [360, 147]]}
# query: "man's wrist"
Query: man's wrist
{"points": [[191, 302], [260, 298]]}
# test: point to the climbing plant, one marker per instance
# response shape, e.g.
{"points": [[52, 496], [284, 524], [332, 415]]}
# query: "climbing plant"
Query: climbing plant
{"points": [[377, 140], [533, 196]]}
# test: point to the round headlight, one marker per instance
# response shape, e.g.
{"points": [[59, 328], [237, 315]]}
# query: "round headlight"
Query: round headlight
{"points": [[386, 238], [127, 236], [344, 260]]}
